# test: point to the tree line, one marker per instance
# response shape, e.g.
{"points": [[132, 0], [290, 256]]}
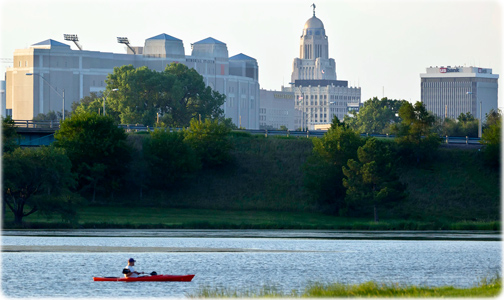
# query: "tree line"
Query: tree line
{"points": [[352, 176], [378, 116], [92, 158]]}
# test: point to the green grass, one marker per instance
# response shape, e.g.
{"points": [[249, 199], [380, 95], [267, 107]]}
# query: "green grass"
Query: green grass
{"points": [[163, 217], [487, 288]]}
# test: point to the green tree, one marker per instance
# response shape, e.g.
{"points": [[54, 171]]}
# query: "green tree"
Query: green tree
{"points": [[371, 181], [210, 141], [50, 116], [492, 117], [97, 149], [491, 139], [90, 104], [464, 125], [9, 135], [170, 160], [415, 134], [375, 116], [178, 94], [323, 170], [38, 180]]}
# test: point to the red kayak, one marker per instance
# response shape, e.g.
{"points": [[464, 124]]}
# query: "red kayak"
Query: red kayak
{"points": [[147, 278]]}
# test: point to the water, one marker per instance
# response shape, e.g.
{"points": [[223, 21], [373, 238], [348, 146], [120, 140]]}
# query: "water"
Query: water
{"points": [[286, 260]]}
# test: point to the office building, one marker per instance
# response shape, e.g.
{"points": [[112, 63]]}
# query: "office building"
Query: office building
{"points": [[277, 111], [449, 91]]}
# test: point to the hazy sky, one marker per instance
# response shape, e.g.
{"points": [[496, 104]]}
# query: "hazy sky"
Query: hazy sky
{"points": [[381, 46]]}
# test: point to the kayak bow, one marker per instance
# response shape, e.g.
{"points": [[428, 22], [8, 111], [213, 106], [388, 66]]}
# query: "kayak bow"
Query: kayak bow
{"points": [[147, 278]]}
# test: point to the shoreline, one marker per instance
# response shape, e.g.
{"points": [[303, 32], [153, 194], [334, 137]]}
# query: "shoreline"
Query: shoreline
{"points": [[105, 249]]}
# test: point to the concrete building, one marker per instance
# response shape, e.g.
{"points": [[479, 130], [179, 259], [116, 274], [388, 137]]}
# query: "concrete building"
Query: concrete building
{"points": [[317, 91], [277, 110], [450, 91], [60, 71], [2, 99]]}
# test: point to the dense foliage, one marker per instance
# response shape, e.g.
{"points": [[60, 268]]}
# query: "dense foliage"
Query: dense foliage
{"points": [[9, 135], [415, 134], [210, 141], [97, 149], [38, 180], [375, 116], [491, 138], [144, 96], [372, 181], [170, 160], [323, 170]]}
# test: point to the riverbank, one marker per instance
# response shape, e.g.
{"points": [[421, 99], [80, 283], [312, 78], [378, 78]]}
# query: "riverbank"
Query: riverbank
{"points": [[95, 217], [486, 288]]}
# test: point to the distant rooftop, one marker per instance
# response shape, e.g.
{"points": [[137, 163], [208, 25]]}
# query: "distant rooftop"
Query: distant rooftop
{"points": [[164, 36], [241, 56], [210, 40], [50, 42]]}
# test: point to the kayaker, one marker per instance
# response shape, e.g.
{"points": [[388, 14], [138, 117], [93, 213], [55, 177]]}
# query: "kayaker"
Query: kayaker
{"points": [[131, 269]]}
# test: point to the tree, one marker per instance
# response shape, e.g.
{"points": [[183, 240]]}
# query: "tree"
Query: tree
{"points": [[210, 141], [375, 116], [323, 169], [178, 94], [97, 149], [50, 116], [415, 134], [38, 180], [491, 139], [371, 180], [170, 160], [492, 117], [464, 125], [91, 104], [9, 135]]}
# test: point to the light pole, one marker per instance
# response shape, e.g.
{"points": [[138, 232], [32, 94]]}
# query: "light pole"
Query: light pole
{"points": [[62, 96], [105, 100], [480, 120]]}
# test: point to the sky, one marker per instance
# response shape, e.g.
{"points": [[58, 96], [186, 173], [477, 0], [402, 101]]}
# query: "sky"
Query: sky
{"points": [[381, 46]]}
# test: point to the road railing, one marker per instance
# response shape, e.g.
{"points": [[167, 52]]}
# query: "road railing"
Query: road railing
{"points": [[54, 125]]}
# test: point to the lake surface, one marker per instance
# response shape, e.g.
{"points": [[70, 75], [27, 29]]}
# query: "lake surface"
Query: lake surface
{"points": [[243, 260]]}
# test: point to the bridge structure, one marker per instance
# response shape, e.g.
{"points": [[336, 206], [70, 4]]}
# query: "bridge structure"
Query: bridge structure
{"points": [[41, 133]]}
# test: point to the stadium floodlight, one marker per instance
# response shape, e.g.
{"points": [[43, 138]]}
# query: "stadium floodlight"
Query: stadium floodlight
{"points": [[124, 40], [73, 38]]}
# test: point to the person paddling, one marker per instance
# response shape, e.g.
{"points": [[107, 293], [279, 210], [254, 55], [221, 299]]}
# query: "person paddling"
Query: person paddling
{"points": [[129, 271]]}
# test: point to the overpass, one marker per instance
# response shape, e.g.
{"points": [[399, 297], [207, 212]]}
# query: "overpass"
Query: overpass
{"points": [[40, 133]]}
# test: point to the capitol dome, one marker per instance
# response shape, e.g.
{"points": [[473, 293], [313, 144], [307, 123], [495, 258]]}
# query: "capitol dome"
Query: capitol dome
{"points": [[314, 23]]}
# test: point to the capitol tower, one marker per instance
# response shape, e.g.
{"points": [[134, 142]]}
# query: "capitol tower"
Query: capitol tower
{"points": [[314, 62], [318, 93]]}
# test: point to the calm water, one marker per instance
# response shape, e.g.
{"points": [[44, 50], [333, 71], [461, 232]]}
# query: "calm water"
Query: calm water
{"points": [[287, 260]]}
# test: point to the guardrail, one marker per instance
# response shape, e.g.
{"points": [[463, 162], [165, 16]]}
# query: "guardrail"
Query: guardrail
{"points": [[309, 133]]}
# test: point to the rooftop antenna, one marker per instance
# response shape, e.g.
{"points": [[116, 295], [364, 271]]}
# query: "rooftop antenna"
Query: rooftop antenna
{"points": [[124, 40], [73, 38]]}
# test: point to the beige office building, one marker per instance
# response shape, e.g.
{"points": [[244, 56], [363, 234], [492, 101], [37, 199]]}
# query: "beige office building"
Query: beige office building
{"points": [[60, 72]]}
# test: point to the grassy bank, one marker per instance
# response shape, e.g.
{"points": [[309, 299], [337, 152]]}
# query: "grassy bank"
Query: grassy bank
{"points": [[150, 217], [263, 187], [490, 288]]}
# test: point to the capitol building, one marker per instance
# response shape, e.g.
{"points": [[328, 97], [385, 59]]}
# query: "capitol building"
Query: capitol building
{"points": [[317, 94], [60, 71]]}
